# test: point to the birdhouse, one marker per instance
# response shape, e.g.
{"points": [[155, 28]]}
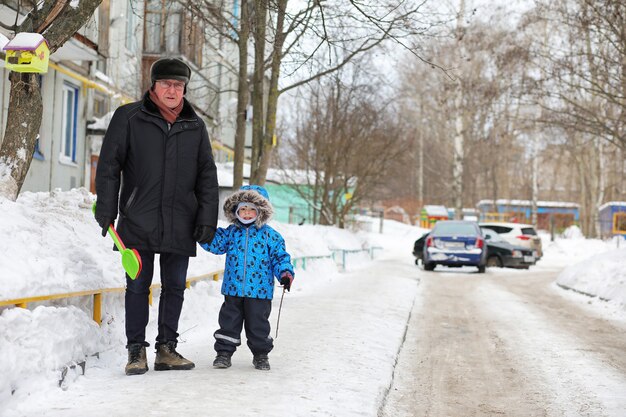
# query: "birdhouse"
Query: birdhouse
{"points": [[27, 52]]}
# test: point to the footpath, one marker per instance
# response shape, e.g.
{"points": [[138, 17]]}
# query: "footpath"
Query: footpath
{"points": [[337, 345]]}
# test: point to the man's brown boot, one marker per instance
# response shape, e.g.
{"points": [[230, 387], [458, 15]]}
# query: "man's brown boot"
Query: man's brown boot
{"points": [[137, 362], [168, 359]]}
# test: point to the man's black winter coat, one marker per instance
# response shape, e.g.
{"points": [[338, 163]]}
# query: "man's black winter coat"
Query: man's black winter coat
{"points": [[164, 178]]}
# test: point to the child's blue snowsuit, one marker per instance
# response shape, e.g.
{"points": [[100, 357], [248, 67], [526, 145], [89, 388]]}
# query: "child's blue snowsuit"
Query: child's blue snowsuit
{"points": [[255, 255]]}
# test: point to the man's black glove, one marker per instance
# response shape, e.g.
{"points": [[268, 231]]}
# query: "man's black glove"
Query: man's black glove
{"points": [[204, 234], [104, 222], [286, 279]]}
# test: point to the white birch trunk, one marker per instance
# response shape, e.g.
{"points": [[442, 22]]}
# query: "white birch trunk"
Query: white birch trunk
{"points": [[457, 170]]}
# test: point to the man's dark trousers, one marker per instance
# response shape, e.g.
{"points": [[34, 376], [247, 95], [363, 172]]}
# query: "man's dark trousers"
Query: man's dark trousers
{"points": [[173, 278]]}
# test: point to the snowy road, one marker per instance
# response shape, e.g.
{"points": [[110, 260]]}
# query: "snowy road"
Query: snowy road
{"points": [[506, 343]]}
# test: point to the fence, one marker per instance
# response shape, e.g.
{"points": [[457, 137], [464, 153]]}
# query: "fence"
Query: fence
{"points": [[338, 255], [214, 275], [97, 295]]}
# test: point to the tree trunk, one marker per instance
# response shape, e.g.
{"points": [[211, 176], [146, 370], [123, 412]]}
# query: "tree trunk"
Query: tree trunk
{"points": [[57, 21], [258, 93], [242, 97], [272, 98], [23, 122], [457, 170]]}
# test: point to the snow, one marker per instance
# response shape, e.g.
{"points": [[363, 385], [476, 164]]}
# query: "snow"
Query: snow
{"points": [[25, 41], [527, 203], [279, 176], [101, 123], [612, 203], [339, 331]]}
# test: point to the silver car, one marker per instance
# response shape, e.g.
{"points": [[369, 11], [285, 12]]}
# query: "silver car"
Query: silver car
{"points": [[517, 234]]}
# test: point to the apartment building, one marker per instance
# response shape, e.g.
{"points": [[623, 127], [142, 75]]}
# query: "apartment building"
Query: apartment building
{"points": [[106, 64]]}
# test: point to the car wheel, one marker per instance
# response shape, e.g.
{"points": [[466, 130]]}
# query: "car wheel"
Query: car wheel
{"points": [[429, 266], [481, 269], [494, 261]]}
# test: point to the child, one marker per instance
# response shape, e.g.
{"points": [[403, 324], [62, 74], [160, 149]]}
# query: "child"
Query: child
{"points": [[255, 254]]}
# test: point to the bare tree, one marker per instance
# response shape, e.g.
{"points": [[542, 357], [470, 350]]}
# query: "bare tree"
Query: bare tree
{"points": [[57, 21], [345, 143], [583, 87], [306, 40]]}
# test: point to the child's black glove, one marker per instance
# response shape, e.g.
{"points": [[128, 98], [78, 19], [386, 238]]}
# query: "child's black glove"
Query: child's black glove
{"points": [[286, 279]]}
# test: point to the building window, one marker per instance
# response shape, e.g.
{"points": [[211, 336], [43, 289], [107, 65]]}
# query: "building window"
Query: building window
{"points": [[131, 26], [100, 106], [192, 41], [168, 30], [163, 27], [69, 114]]}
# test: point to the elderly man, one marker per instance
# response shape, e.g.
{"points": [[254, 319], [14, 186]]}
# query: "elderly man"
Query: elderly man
{"points": [[156, 170]]}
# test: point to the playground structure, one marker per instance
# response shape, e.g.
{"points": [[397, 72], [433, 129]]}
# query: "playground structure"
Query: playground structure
{"points": [[555, 215], [612, 219]]}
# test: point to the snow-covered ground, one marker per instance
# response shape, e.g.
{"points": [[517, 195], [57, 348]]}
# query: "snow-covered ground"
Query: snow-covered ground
{"points": [[53, 245]]}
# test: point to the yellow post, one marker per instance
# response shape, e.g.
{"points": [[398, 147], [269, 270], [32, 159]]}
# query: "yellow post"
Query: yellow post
{"points": [[22, 305], [97, 308]]}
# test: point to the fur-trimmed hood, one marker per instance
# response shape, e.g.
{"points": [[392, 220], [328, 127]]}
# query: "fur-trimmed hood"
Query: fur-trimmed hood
{"points": [[254, 194]]}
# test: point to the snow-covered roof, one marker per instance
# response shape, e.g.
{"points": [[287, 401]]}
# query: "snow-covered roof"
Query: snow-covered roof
{"points": [[277, 176], [612, 204], [529, 203], [25, 41], [436, 210]]}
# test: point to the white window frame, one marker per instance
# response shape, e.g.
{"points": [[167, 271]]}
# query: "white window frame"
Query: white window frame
{"points": [[68, 150]]}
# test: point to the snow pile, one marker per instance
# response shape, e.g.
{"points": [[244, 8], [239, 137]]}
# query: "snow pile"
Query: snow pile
{"points": [[573, 232], [563, 251], [55, 246], [602, 275], [37, 344]]}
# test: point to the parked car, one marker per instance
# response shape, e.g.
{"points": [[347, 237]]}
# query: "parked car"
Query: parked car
{"points": [[418, 249], [454, 243], [517, 234], [501, 253]]}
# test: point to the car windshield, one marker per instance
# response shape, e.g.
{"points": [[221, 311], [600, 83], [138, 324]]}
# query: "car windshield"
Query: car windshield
{"points": [[492, 235], [454, 228]]}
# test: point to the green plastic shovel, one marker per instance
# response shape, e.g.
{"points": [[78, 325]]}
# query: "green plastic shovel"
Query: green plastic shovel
{"points": [[131, 261]]}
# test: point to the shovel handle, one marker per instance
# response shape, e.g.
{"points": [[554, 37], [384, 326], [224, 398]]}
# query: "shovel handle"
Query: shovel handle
{"points": [[116, 239]]}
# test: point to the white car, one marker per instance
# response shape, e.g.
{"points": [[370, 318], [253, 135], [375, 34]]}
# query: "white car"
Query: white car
{"points": [[517, 234]]}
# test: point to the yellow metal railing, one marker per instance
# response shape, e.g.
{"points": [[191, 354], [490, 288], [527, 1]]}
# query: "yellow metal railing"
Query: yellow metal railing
{"points": [[97, 295], [230, 153]]}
